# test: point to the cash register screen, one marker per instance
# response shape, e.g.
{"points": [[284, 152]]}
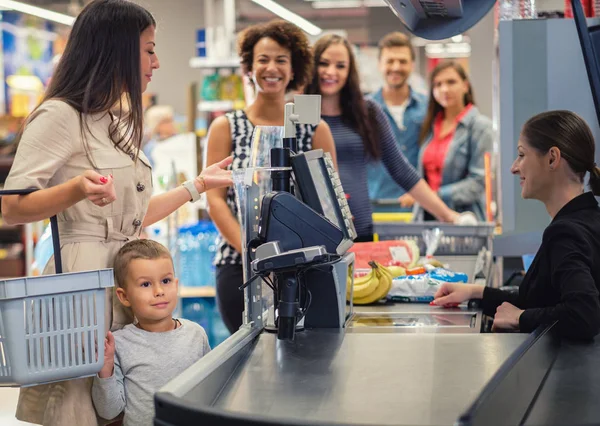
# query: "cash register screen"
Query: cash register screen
{"points": [[320, 188], [322, 184]]}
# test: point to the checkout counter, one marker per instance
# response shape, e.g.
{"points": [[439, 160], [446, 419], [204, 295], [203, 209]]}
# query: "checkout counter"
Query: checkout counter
{"points": [[305, 356], [331, 363]]}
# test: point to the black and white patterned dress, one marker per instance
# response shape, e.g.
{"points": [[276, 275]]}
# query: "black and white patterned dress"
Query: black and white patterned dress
{"points": [[241, 139]]}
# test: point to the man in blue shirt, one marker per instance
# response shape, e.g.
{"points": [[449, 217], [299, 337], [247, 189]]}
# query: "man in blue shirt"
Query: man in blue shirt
{"points": [[405, 109]]}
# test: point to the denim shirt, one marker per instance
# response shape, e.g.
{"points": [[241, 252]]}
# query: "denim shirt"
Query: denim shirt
{"points": [[463, 176], [381, 184]]}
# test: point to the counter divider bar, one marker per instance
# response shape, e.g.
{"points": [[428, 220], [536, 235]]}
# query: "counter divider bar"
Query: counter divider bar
{"points": [[199, 371], [509, 395]]}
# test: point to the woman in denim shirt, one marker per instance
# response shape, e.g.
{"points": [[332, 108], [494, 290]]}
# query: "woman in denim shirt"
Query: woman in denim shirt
{"points": [[454, 138]]}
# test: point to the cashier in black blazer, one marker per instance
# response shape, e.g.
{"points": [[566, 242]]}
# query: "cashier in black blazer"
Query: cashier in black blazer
{"points": [[555, 151]]}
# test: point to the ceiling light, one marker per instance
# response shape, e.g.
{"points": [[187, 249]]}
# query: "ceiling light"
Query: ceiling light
{"points": [[288, 15], [38, 11], [346, 4]]}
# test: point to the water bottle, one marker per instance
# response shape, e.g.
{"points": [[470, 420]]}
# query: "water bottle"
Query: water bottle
{"points": [[200, 312], [527, 9], [182, 246], [219, 331], [517, 9]]}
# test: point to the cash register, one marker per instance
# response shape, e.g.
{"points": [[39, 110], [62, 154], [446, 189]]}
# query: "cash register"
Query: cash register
{"points": [[303, 238]]}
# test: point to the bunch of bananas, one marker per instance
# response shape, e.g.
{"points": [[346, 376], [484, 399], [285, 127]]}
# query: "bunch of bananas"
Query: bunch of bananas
{"points": [[375, 285]]}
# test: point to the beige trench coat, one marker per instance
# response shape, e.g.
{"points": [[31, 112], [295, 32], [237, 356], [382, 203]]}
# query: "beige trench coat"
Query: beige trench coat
{"points": [[51, 152]]}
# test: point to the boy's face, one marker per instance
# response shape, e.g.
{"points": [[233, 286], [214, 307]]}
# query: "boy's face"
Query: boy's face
{"points": [[150, 289]]}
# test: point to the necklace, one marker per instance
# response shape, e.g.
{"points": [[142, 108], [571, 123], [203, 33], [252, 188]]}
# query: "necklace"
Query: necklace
{"points": [[175, 323]]}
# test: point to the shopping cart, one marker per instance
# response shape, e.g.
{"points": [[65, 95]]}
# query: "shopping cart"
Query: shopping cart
{"points": [[52, 327]]}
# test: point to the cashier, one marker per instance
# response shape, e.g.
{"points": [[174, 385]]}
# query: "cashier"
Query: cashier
{"points": [[555, 151]]}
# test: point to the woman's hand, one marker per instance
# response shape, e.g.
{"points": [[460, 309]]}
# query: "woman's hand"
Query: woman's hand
{"points": [[97, 188], [109, 357], [451, 295], [406, 201], [507, 317], [215, 176]]}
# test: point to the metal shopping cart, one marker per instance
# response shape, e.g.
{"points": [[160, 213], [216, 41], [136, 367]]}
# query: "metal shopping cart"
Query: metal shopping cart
{"points": [[52, 327]]}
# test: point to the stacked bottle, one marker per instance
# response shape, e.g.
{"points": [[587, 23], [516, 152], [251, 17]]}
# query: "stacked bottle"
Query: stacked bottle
{"points": [[197, 247], [517, 9]]}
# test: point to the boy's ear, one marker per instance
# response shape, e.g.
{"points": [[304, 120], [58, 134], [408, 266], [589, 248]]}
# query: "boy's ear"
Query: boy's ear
{"points": [[122, 295]]}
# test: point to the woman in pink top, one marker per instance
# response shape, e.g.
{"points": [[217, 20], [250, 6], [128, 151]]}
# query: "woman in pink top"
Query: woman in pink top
{"points": [[454, 138]]}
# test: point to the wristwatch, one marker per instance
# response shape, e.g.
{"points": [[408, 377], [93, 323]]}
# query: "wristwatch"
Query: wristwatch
{"points": [[189, 185]]}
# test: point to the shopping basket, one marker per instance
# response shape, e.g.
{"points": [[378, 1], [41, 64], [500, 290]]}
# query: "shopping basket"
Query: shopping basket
{"points": [[52, 327], [457, 239]]}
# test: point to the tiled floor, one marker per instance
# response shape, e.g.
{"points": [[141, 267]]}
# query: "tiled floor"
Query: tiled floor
{"points": [[8, 404]]}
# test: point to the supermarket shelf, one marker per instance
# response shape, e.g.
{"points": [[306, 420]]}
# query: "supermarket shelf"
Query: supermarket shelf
{"points": [[211, 106], [198, 62], [197, 292]]}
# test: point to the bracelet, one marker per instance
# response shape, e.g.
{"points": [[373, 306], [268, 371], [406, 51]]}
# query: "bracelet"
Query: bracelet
{"points": [[194, 193], [202, 182]]}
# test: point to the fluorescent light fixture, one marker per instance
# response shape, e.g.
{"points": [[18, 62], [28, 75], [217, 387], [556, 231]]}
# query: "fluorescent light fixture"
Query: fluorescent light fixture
{"points": [[457, 38], [347, 4], [343, 4], [288, 15], [38, 11]]}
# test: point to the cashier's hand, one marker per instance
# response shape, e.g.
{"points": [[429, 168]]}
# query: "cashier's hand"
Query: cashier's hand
{"points": [[452, 295], [97, 188], [215, 176], [109, 357], [406, 201], [507, 317]]}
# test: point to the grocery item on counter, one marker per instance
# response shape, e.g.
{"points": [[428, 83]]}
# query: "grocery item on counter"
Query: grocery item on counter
{"points": [[404, 253], [421, 288], [375, 285]]}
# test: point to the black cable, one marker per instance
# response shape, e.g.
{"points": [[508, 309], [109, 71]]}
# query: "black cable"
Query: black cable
{"points": [[512, 277], [269, 282]]}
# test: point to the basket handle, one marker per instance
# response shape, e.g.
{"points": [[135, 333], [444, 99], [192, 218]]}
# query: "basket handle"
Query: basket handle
{"points": [[53, 227]]}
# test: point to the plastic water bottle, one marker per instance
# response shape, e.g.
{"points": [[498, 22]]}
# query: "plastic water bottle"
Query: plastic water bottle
{"points": [[183, 247], [527, 9], [200, 312], [219, 330], [517, 9]]}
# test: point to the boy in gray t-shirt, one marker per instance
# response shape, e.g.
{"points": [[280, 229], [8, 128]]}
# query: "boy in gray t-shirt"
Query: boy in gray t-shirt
{"points": [[143, 357]]}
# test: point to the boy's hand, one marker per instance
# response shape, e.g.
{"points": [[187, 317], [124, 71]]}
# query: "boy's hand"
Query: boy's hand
{"points": [[109, 357]]}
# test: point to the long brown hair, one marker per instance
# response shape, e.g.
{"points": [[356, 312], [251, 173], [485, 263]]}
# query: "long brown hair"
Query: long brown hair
{"points": [[101, 61], [434, 107], [355, 111], [569, 133]]}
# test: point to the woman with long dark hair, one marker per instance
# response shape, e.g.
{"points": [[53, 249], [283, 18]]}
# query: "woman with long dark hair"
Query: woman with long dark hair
{"points": [[362, 133], [82, 151], [555, 152], [454, 139]]}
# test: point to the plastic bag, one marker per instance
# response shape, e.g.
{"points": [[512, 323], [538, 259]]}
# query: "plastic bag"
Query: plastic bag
{"points": [[421, 288]]}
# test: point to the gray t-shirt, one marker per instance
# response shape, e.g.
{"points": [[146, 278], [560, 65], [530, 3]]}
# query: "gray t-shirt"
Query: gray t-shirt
{"points": [[145, 362]]}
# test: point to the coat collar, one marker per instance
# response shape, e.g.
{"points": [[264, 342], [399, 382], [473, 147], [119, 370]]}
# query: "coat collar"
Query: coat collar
{"points": [[581, 202]]}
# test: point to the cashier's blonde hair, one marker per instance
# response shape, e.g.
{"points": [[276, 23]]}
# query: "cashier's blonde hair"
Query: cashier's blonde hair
{"points": [[137, 249]]}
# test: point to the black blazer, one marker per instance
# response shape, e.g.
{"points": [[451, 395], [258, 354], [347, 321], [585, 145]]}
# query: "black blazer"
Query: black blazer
{"points": [[563, 282]]}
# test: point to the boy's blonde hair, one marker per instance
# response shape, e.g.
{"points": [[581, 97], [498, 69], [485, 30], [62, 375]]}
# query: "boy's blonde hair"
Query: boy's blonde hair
{"points": [[137, 249]]}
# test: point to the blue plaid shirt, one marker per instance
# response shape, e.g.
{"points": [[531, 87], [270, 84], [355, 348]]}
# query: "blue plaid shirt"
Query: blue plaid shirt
{"points": [[381, 184]]}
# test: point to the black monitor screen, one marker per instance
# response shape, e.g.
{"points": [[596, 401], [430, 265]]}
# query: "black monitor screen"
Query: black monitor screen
{"points": [[325, 193], [320, 188]]}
